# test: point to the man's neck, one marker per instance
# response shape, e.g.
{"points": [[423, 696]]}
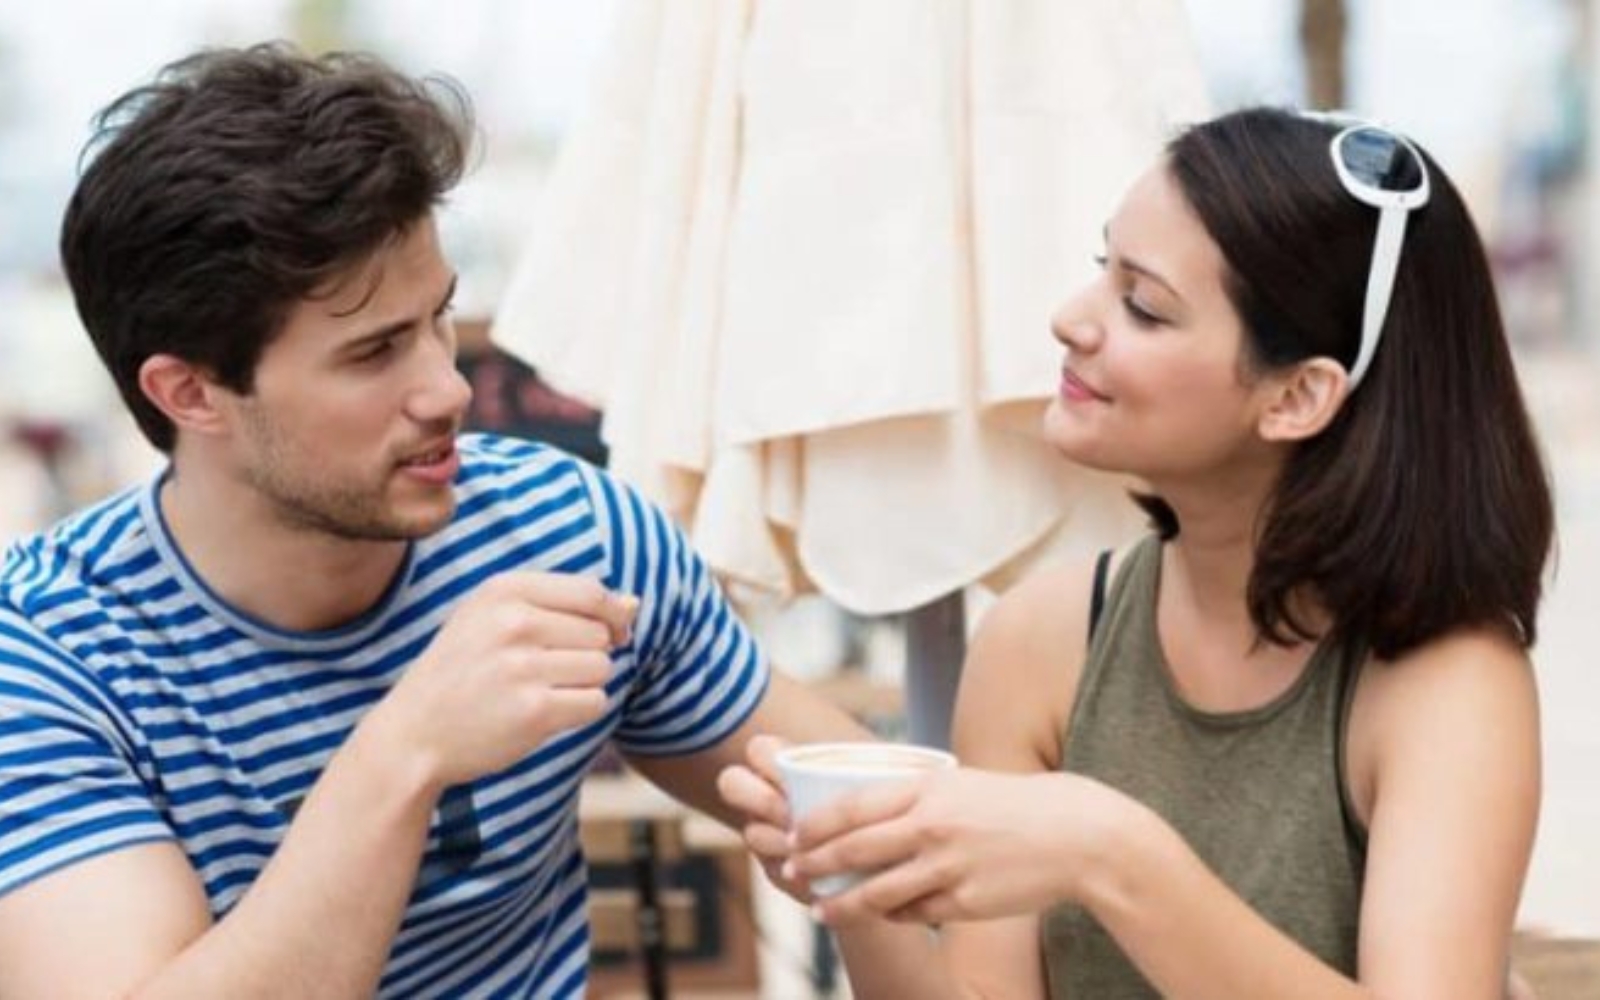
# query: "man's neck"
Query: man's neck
{"points": [[294, 578]]}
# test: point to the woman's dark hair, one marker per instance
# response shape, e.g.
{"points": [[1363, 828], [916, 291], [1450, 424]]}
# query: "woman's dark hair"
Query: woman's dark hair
{"points": [[237, 184], [1425, 505]]}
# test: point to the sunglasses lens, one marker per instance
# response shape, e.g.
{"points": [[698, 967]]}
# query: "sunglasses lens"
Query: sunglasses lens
{"points": [[1378, 159]]}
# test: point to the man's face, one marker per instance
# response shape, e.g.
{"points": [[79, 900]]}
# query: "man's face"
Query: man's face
{"points": [[350, 429]]}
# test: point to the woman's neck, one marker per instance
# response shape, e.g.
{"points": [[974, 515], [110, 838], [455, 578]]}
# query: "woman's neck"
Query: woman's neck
{"points": [[1212, 644]]}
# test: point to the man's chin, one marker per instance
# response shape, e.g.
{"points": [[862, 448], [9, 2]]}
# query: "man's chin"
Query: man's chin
{"points": [[408, 526], [424, 523]]}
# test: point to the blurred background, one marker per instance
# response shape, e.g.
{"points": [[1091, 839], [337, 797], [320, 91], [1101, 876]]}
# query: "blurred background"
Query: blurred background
{"points": [[1505, 93]]}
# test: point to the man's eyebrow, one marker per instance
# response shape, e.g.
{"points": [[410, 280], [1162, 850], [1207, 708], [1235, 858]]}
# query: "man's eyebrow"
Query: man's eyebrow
{"points": [[1129, 264], [400, 326]]}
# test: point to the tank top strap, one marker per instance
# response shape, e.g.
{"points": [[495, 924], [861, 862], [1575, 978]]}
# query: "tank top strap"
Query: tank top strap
{"points": [[1124, 619]]}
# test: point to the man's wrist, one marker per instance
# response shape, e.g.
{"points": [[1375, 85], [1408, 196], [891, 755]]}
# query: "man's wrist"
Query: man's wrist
{"points": [[380, 752]]}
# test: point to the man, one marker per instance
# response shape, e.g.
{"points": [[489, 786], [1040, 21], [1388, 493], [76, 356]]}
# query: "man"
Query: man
{"points": [[308, 714]]}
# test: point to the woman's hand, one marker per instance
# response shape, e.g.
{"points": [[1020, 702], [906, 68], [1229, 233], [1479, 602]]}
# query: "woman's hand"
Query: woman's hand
{"points": [[753, 788], [957, 845]]}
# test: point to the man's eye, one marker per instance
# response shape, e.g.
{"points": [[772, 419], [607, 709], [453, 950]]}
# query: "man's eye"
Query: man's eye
{"points": [[381, 349]]}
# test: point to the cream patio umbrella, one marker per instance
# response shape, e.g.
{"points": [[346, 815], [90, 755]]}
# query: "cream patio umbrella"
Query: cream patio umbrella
{"points": [[803, 254]]}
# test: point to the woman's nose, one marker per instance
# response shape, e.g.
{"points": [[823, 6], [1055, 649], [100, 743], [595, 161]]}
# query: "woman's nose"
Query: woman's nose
{"points": [[1072, 324]]}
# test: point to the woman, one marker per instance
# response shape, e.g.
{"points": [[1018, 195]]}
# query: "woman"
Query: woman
{"points": [[1287, 745]]}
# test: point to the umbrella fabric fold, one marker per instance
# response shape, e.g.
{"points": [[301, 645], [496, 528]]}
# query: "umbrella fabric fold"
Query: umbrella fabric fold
{"points": [[803, 254]]}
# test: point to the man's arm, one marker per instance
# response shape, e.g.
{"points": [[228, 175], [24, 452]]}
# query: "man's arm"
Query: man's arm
{"points": [[797, 714], [523, 658], [787, 709], [317, 922]]}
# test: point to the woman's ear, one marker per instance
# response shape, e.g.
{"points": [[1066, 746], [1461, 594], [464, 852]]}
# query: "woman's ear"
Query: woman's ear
{"points": [[1304, 401], [183, 392]]}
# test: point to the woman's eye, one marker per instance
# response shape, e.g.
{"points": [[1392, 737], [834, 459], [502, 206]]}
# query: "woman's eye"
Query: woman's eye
{"points": [[1139, 314]]}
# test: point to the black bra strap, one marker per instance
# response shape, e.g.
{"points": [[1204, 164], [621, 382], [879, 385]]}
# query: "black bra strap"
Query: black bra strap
{"points": [[1097, 596]]}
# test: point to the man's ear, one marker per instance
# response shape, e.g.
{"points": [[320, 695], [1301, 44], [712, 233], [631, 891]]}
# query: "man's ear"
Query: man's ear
{"points": [[187, 394], [1304, 401]]}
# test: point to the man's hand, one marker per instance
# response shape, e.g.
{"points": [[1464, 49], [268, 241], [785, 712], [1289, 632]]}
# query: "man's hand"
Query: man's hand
{"points": [[754, 790], [524, 657]]}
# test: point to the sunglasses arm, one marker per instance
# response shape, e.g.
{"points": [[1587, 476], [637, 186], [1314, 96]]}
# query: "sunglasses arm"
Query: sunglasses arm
{"points": [[1380, 283]]}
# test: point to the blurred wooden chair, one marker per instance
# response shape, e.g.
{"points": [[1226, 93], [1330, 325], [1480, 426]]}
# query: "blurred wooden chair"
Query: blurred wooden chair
{"points": [[627, 824], [1557, 968]]}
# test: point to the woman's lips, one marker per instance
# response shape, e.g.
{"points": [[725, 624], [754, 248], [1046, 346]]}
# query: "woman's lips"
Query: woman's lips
{"points": [[1077, 390]]}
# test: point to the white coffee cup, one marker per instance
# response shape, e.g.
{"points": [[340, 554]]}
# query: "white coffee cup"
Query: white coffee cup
{"points": [[816, 773]]}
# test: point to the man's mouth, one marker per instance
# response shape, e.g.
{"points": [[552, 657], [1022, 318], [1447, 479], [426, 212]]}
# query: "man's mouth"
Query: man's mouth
{"points": [[431, 457]]}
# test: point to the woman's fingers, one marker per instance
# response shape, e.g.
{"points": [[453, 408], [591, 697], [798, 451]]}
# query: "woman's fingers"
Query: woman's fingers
{"points": [[874, 804], [864, 848], [906, 891]]}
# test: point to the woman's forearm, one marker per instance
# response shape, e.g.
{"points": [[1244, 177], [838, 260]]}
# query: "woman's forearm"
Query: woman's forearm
{"points": [[890, 961], [1185, 929]]}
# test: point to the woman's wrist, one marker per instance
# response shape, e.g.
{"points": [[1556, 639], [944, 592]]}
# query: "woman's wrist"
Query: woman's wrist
{"points": [[1117, 840]]}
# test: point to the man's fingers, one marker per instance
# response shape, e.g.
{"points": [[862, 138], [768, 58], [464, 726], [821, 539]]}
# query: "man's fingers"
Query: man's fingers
{"points": [[572, 594], [550, 629], [569, 708], [753, 795], [621, 610], [568, 668], [766, 841], [762, 754]]}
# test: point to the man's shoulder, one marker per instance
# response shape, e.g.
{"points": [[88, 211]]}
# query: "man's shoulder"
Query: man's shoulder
{"points": [[509, 487], [87, 548], [500, 472], [488, 459]]}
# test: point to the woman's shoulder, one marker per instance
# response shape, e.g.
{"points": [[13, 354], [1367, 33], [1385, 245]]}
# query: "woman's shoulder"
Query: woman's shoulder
{"points": [[1044, 615], [1462, 663], [1033, 639], [1465, 695]]}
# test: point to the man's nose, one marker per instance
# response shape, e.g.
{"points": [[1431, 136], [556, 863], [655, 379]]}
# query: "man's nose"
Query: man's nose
{"points": [[443, 392]]}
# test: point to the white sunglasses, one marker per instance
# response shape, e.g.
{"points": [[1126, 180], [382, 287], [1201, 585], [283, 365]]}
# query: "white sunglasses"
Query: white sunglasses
{"points": [[1381, 168]]}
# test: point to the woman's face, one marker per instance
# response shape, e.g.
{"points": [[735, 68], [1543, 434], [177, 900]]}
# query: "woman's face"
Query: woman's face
{"points": [[1152, 383]]}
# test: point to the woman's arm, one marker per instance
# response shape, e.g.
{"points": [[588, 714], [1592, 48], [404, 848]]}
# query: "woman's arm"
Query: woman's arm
{"points": [[1031, 642], [1452, 734], [1449, 739], [1017, 686]]}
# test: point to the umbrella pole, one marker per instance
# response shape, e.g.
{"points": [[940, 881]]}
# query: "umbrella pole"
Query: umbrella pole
{"points": [[936, 643]]}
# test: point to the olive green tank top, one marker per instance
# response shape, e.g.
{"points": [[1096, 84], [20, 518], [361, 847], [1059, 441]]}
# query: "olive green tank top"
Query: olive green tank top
{"points": [[1258, 794]]}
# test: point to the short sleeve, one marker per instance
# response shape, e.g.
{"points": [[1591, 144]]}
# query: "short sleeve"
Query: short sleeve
{"points": [[68, 788], [698, 671]]}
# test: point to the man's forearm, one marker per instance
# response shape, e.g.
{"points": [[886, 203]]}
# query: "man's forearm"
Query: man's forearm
{"points": [[322, 916]]}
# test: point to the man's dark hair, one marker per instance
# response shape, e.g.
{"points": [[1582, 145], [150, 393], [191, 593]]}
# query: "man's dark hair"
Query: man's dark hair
{"points": [[1425, 505], [237, 184]]}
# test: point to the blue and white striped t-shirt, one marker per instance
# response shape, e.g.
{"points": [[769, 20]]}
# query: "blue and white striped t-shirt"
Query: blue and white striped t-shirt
{"points": [[136, 706]]}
